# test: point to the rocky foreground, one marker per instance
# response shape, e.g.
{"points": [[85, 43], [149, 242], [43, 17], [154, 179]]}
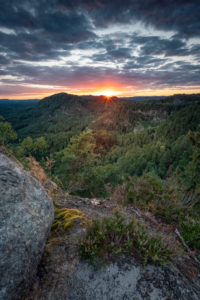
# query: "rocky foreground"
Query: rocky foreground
{"points": [[63, 275], [26, 215], [26, 218]]}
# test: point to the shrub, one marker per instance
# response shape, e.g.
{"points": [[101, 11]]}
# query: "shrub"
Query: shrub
{"points": [[190, 229], [143, 190], [115, 236], [163, 198], [7, 133]]}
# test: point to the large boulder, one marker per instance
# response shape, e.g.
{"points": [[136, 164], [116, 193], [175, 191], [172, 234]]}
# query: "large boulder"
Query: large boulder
{"points": [[26, 215]]}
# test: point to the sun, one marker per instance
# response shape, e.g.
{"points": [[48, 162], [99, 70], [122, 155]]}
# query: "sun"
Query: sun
{"points": [[108, 93]]}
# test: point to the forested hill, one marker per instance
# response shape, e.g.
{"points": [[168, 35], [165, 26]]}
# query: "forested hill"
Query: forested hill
{"points": [[10, 109], [141, 153], [96, 143], [69, 113]]}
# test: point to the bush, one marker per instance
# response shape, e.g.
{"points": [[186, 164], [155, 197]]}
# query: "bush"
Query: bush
{"points": [[190, 229], [163, 198], [7, 133], [115, 235]]}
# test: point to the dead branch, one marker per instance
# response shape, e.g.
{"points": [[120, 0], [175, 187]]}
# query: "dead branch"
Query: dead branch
{"points": [[186, 246]]}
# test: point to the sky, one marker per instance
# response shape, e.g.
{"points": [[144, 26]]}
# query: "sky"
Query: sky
{"points": [[122, 48]]}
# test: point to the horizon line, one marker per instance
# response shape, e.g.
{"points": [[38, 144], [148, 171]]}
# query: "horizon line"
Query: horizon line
{"points": [[93, 95]]}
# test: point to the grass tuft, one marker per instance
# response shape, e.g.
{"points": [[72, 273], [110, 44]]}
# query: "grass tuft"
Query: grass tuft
{"points": [[116, 236]]}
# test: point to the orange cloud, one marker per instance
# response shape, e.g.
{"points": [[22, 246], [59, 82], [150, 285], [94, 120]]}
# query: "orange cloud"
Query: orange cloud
{"points": [[107, 88]]}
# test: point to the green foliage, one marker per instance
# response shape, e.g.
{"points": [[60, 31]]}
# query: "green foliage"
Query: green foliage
{"points": [[166, 200], [29, 147], [58, 141], [143, 190], [190, 229], [90, 146], [76, 159], [95, 145], [114, 236], [7, 133], [194, 166], [104, 141], [40, 148], [179, 123], [161, 197]]}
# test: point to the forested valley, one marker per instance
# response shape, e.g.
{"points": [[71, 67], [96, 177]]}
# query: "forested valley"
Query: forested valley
{"points": [[143, 153]]}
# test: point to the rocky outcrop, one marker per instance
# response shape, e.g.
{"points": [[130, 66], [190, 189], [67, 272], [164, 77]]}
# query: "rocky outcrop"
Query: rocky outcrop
{"points": [[26, 215], [64, 276]]}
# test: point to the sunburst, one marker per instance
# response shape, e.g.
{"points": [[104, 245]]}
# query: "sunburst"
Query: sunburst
{"points": [[108, 93]]}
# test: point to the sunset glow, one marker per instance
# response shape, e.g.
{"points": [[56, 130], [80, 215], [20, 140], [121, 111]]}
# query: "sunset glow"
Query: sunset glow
{"points": [[108, 93], [26, 92]]}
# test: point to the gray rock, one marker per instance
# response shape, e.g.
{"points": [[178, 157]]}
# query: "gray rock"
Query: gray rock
{"points": [[64, 276], [127, 281], [26, 215]]}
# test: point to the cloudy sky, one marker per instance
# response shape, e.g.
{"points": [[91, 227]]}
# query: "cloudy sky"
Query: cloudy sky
{"points": [[122, 47]]}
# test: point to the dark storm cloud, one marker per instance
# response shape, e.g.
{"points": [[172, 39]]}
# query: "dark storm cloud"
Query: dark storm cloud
{"points": [[149, 60], [28, 47], [54, 24], [183, 75], [3, 60], [181, 16], [146, 62], [42, 30], [15, 17], [92, 44], [195, 50], [39, 32], [120, 53], [154, 45], [70, 28], [45, 17], [100, 57], [185, 67]]}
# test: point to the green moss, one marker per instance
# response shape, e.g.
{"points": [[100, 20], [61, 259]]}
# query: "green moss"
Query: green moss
{"points": [[65, 218]]}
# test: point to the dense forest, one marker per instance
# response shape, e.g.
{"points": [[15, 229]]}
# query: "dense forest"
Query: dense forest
{"points": [[142, 152]]}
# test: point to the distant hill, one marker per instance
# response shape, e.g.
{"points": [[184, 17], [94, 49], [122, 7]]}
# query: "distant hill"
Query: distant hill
{"points": [[143, 98], [71, 113], [11, 109], [12, 101]]}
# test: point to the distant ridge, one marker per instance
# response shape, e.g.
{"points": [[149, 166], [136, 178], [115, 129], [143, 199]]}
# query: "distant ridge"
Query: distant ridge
{"points": [[18, 100], [143, 98]]}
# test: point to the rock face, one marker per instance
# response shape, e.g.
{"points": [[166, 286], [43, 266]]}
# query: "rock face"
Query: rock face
{"points": [[64, 276], [26, 215], [128, 281]]}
